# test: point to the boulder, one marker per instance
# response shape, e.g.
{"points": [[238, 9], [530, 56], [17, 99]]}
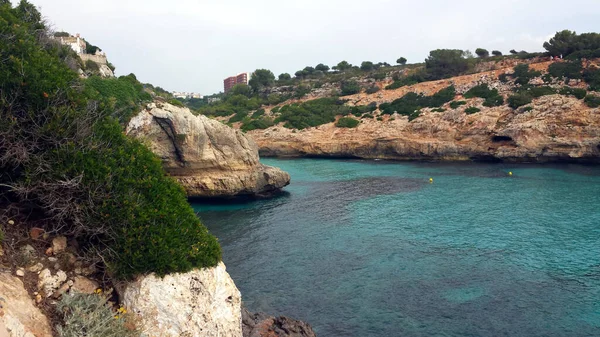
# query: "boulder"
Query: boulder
{"points": [[201, 303], [18, 316], [207, 157], [59, 244], [48, 283], [262, 325]]}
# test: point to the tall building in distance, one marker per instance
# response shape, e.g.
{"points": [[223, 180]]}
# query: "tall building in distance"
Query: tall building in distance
{"points": [[229, 82]]}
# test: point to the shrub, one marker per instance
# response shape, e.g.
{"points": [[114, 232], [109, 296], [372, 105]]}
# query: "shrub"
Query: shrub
{"points": [[92, 66], [123, 96], [568, 70], [260, 123], [482, 53], [258, 113], [519, 99], [444, 63], [523, 74], [312, 113], [367, 116], [592, 101], [302, 90], [541, 91], [401, 61], [91, 315], [76, 166], [347, 122], [527, 109], [367, 66], [578, 93], [411, 103], [350, 88], [471, 110], [592, 78], [503, 77], [176, 102], [275, 109], [238, 117], [482, 91], [497, 53], [456, 104], [438, 110], [372, 89]]}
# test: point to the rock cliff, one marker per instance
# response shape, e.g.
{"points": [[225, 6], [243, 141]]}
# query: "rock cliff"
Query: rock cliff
{"points": [[553, 128], [200, 303], [207, 157]]}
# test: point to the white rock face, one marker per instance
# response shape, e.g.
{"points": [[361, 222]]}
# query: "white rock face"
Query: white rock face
{"points": [[18, 316], [201, 303]]}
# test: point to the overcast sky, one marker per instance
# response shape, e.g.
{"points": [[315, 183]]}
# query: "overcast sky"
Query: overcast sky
{"points": [[192, 45]]}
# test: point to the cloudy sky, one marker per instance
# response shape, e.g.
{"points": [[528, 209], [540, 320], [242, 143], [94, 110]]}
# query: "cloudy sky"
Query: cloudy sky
{"points": [[192, 45]]}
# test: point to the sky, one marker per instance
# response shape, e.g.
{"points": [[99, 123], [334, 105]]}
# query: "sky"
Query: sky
{"points": [[192, 45]]}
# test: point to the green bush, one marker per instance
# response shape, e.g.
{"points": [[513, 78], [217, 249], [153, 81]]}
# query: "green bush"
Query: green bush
{"points": [[350, 88], [438, 110], [78, 168], [522, 74], [372, 89], [347, 122], [123, 95], [411, 103], [176, 102], [275, 109], [405, 81], [91, 315], [444, 63], [519, 99], [592, 101], [238, 117], [578, 93], [456, 104], [471, 110], [260, 123], [92, 66], [493, 101], [568, 70], [541, 91], [592, 78], [312, 113], [258, 113], [482, 91]]}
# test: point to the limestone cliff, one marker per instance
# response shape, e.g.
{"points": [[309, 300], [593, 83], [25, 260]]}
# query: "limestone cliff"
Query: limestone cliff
{"points": [[207, 157], [553, 128]]}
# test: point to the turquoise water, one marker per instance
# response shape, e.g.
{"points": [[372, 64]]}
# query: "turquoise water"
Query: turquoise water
{"points": [[364, 248]]}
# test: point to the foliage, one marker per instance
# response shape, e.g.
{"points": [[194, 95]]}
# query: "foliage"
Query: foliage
{"points": [[514, 52], [568, 70], [350, 88], [302, 90], [367, 66], [176, 102], [260, 79], [92, 66], [491, 96], [578, 93], [123, 96], [342, 66], [411, 103], [61, 34], [322, 67], [471, 110], [63, 155], [91, 315], [401, 61], [541, 91], [456, 104], [482, 53], [522, 74], [284, 77], [406, 81], [258, 113], [111, 66], [496, 53], [347, 122], [241, 89], [592, 78], [444, 63], [438, 110], [91, 49], [312, 113], [519, 99], [566, 42], [259, 123], [372, 89], [592, 101]]}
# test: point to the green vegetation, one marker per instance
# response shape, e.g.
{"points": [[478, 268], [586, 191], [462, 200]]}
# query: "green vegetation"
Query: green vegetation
{"points": [[497, 53], [372, 89], [405, 81], [592, 77], [350, 88], [261, 78], [92, 66], [75, 165], [566, 70], [438, 110], [257, 123], [471, 110], [91, 315], [523, 74], [456, 104], [411, 103], [491, 96], [176, 102], [541, 91], [444, 63], [592, 101], [519, 99], [578, 93], [347, 122], [401, 61], [312, 113], [569, 44], [482, 53]]}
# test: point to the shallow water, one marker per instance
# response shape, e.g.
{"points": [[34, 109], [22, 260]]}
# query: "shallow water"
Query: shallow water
{"points": [[365, 248]]}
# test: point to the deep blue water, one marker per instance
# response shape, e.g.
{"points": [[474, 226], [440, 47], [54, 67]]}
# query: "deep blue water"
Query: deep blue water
{"points": [[364, 248]]}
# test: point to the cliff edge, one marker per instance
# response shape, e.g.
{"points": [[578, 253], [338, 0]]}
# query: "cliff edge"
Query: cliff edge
{"points": [[208, 158]]}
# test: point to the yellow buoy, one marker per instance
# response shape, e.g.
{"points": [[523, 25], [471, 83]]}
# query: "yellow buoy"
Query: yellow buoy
{"points": [[430, 180], [510, 174]]}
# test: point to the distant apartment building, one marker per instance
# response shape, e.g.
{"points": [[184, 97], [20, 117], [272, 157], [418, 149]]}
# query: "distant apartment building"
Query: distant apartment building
{"points": [[186, 95], [229, 82]]}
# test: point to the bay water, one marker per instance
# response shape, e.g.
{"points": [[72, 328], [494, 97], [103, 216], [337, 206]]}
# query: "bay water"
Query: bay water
{"points": [[373, 248]]}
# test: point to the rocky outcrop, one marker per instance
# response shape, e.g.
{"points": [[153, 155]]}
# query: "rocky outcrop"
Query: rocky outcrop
{"points": [[207, 157], [18, 316], [557, 128], [200, 303], [262, 325]]}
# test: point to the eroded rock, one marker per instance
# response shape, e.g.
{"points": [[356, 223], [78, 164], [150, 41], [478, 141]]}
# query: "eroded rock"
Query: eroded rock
{"points": [[200, 303], [207, 157], [262, 325]]}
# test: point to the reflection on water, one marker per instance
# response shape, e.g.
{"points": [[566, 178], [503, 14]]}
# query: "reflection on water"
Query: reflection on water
{"points": [[361, 248]]}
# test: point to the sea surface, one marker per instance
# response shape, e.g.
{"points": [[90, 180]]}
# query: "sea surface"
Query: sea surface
{"points": [[372, 248]]}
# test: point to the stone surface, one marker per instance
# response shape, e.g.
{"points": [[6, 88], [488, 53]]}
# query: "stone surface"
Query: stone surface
{"points": [[18, 316], [200, 303], [207, 157], [48, 283], [262, 325], [84, 285], [59, 244], [36, 233], [20, 272]]}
